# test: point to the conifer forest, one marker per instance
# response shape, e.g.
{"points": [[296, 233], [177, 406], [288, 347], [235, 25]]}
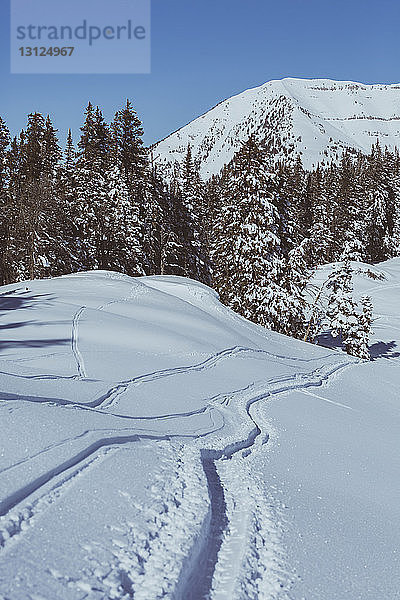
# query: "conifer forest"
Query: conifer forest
{"points": [[255, 232]]}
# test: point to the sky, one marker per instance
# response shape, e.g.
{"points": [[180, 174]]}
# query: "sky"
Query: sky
{"points": [[204, 51]]}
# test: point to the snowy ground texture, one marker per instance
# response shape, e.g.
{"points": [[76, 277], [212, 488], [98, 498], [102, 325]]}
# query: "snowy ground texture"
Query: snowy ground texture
{"points": [[155, 445]]}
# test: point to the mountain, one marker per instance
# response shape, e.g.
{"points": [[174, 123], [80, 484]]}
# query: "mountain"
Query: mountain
{"points": [[316, 118], [155, 445]]}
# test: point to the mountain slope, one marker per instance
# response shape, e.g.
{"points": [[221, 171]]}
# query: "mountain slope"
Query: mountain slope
{"points": [[315, 118]]}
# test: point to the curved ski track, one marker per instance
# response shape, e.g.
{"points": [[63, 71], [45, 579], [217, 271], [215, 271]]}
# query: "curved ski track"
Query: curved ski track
{"points": [[16, 511]]}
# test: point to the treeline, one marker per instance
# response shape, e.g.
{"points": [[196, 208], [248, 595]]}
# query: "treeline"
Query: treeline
{"points": [[101, 205], [255, 232], [271, 225]]}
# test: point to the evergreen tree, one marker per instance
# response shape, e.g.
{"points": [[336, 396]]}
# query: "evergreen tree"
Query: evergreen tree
{"points": [[33, 226], [92, 200], [130, 153], [196, 262], [365, 331], [131, 157], [295, 279], [341, 313], [344, 319], [69, 258], [380, 207], [246, 253], [125, 252], [5, 209], [321, 238]]}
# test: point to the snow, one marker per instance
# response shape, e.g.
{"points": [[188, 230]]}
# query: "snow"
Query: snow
{"points": [[316, 118], [153, 444]]}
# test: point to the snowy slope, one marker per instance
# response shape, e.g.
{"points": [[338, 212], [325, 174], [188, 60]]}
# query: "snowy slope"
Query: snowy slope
{"points": [[315, 118], [155, 445]]}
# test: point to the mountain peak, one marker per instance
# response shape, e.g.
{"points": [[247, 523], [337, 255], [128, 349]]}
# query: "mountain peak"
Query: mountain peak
{"points": [[314, 118]]}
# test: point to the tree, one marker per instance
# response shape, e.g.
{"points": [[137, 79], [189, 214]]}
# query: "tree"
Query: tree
{"points": [[34, 224], [196, 260], [365, 331], [125, 252], [5, 212], [295, 279], [343, 317], [92, 219], [246, 253], [321, 238], [380, 207], [130, 156], [70, 244]]}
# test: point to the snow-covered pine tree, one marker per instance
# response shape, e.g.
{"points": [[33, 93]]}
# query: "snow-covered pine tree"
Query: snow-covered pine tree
{"points": [[395, 185], [290, 190], [321, 239], [55, 254], [246, 252], [125, 252], [341, 312], [294, 281], [33, 164], [13, 251], [130, 156], [365, 320], [343, 318], [344, 206], [305, 206], [127, 140], [92, 208], [4, 203], [381, 208], [196, 263], [176, 246], [67, 186], [167, 248]]}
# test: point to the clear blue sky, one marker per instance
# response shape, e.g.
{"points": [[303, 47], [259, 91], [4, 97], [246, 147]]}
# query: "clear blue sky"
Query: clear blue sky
{"points": [[204, 51]]}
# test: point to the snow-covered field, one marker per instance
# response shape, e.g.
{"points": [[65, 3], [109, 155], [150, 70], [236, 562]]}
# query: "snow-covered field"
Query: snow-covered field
{"points": [[155, 445]]}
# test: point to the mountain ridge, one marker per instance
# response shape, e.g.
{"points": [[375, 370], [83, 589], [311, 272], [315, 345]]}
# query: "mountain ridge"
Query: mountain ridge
{"points": [[314, 118]]}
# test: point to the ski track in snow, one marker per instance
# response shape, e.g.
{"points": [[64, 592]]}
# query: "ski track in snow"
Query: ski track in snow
{"points": [[13, 522], [235, 523], [221, 532], [74, 344], [108, 399], [212, 531]]}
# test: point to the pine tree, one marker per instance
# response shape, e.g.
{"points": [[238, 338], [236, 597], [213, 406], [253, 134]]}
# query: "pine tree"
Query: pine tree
{"points": [[381, 209], [128, 147], [321, 238], [343, 317], [289, 193], [131, 158], [5, 209], [341, 313], [69, 256], [125, 252], [246, 253], [14, 216], [92, 209], [365, 330], [32, 164], [196, 262], [295, 280]]}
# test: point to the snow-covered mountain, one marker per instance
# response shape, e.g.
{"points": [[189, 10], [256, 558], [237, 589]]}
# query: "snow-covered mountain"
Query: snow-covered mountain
{"points": [[315, 118], [154, 445]]}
